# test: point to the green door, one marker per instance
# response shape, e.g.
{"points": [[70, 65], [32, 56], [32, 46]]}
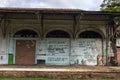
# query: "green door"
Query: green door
{"points": [[10, 58]]}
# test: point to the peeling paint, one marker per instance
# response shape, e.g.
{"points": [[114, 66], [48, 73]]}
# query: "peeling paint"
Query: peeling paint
{"points": [[86, 51]]}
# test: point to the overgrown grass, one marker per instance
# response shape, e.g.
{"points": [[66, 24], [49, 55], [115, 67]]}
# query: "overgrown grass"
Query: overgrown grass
{"points": [[52, 79]]}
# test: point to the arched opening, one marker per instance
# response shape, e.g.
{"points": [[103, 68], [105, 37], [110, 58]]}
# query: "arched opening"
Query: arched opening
{"points": [[90, 47], [57, 34], [26, 33], [89, 34], [25, 47], [58, 47]]}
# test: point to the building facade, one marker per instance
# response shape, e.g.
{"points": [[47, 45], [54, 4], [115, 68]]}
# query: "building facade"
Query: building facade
{"points": [[56, 36]]}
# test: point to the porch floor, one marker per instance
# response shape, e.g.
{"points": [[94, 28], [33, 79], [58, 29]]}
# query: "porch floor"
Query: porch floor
{"points": [[59, 71]]}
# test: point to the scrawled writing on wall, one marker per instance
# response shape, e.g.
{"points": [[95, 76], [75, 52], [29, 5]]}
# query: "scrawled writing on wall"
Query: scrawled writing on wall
{"points": [[87, 51], [57, 48], [57, 52]]}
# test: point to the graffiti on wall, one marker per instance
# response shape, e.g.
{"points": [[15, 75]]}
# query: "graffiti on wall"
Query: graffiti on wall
{"points": [[57, 60], [86, 51], [57, 47], [3, 59], [41, 47], [57, 51]]}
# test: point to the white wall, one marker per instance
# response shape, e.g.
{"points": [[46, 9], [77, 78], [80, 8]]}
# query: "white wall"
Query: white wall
{"points": [[3, 54], [85, 51]]}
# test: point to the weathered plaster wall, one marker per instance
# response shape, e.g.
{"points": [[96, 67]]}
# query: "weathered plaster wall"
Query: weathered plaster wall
{"points": [[3, 54], [65, 51], [58, 51], [86, 51], [75, 50]]}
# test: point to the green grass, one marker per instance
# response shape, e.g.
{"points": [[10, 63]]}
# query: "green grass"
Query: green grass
{"points": [[51, 79]]}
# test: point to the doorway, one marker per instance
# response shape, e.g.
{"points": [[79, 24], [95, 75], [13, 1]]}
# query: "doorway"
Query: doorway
{"points": [[25, 47], [25, 51]]}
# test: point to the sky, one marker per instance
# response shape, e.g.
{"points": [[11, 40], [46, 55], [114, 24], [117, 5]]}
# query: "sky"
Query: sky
{"points": [[92, 5]]}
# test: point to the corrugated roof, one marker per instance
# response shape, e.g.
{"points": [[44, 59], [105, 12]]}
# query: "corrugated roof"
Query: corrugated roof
{"points": [[9, 9], [54, 10], [60, 9]]}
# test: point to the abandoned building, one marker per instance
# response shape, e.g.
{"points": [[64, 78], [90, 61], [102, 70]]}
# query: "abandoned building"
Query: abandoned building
{"points": [[45, 36]]}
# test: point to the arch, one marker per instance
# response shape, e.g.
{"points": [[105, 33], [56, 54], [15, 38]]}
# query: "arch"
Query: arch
{"points": [[57, 34], [25, 28], [99, 33], [26, 33], [89, 34]]}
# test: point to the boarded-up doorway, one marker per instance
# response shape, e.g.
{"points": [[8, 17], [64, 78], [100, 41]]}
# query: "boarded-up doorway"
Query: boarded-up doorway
{"points": [[118, 55], [25, 52]]}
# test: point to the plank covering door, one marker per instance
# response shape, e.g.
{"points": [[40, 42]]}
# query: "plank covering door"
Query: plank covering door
{"points": [[118, 55], [25, 52]]}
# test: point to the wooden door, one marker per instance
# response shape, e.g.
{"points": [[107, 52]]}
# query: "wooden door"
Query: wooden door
{"points": [[25, 51], [118, 55]]}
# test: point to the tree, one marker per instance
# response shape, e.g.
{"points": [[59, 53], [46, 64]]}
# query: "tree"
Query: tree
{"points": [[110, 5]]}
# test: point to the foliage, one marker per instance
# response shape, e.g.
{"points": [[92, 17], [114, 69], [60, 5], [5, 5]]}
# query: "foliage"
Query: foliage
{"points": [[113, 7]]}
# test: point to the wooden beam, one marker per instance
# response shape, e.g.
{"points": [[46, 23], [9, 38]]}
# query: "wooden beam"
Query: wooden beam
{"points": [[3, 16], [77, 22], [40, 21], [4, 25], [42, 26], [78, 18], [74, 25]]}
